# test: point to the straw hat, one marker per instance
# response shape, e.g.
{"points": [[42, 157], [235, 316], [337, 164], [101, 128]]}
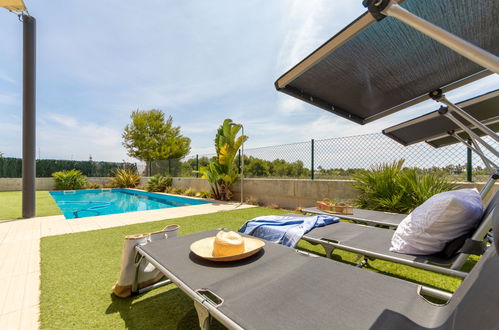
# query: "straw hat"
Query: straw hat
{"points": [[226, 246]]}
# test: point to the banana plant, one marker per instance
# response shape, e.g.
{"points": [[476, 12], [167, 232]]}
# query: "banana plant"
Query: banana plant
{"points": [[222, 172]]}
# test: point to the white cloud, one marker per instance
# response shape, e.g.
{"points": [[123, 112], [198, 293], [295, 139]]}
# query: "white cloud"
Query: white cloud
{"points": [[6, 78], [10, 99], [66, 137]]}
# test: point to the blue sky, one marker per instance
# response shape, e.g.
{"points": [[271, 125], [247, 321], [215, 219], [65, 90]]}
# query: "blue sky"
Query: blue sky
{"points": [[199, 61]]}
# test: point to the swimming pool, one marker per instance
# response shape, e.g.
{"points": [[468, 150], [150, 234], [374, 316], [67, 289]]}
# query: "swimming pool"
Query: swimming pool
{"points": [[89, 203]]}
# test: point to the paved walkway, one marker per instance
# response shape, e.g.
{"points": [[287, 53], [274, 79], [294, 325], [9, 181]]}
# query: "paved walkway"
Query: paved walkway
{"points": [[20, 254]]}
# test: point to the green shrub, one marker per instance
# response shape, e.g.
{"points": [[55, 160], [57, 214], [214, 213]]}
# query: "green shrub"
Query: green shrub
{"points": [[125, 178], [159, 182], [390, 187], [69, 180], [93, 186], [178, 191], [170, 190], [421, 186], [190, 192], [204, 194]]}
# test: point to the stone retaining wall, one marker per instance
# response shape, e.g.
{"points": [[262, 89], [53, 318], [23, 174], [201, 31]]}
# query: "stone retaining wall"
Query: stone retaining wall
{"points": [[290, 193]]}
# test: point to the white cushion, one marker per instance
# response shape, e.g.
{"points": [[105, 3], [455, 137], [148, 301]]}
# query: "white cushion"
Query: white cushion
{"points": [[440, 219]]}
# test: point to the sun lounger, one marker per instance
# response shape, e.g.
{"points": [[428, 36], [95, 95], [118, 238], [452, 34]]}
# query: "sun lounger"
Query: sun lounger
{"points": [[368, 217], [374, 243], [281, 288]]}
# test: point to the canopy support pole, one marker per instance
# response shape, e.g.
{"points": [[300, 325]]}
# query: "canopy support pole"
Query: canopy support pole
{"points": [[460, 46], [468, 117], [471, 133], [29, 116], [476, 148]]}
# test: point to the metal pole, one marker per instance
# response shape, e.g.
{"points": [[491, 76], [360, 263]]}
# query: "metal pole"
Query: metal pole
{"points": [[239, 161], [469, 166], [472, 134], [29, 116], [197, 166], [476, 148], [460, 46], [242, 165], [481, 126], [312, 160]]}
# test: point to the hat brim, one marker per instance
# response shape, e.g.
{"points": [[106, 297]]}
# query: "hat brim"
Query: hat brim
{"points": [[204, 249]]}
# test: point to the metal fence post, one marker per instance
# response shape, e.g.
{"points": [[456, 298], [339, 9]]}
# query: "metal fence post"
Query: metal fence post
{"points": [[312, 160], [239, 161], [469, 165], [197, 166]]}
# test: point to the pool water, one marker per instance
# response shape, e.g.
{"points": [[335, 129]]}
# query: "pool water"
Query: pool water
{"points": [[89, 203]]}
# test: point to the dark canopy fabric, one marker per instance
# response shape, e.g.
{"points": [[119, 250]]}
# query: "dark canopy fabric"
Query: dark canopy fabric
{"points": [[433, 126], [371, 69]]}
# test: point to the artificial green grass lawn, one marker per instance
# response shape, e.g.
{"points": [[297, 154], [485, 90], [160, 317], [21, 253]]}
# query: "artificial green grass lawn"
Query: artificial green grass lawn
{"points": [[11, 205], [78, 271]]}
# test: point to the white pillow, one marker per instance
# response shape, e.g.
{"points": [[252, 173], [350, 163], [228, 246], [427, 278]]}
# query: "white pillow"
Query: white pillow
{"points": [[440, 219]]}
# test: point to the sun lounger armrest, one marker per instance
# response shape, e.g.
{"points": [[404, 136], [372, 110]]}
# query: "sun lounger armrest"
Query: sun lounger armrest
{"points": [[435, 293]]}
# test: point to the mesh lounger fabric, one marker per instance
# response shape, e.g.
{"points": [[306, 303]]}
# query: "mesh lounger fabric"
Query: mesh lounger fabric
{"points": [[484, 108], [365, 216], [372, 239], [282, 289], [371, 69]]}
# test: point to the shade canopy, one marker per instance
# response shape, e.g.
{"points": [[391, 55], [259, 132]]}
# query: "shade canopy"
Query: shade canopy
{"points": [[433, 127], [373, 68], [13, 5]]}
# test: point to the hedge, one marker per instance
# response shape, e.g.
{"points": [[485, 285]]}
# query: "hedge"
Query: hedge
{"points": [[12, 167]]}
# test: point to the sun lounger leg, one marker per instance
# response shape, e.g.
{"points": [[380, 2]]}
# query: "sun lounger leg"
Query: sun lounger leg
{"points": [[203, 315], [329, 249], [138, 260]]}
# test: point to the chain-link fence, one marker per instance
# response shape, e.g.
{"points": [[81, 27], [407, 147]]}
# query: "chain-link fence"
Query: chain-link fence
{"points": [[339, 158]]}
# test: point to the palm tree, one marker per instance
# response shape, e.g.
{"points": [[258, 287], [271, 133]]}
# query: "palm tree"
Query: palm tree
{"points": [[222, 172]]}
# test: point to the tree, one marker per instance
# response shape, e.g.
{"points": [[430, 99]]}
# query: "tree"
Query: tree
{"points": [[150, 137], [222, 172]]}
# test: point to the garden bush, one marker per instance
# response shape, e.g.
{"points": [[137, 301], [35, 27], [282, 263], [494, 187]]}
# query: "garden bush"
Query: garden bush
{"points": [[125, 178], [392, 188], [159, 182], [190, 192], [69, 180], [204, 194], [178, 191], [94, 186]]}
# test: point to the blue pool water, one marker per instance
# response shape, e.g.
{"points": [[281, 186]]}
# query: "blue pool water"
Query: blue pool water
{"points": [[89, 203]]}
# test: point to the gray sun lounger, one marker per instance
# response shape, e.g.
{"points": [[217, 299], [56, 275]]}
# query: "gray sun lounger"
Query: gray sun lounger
{"points": [[281, 288], [374, 243], [368, 217]]}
